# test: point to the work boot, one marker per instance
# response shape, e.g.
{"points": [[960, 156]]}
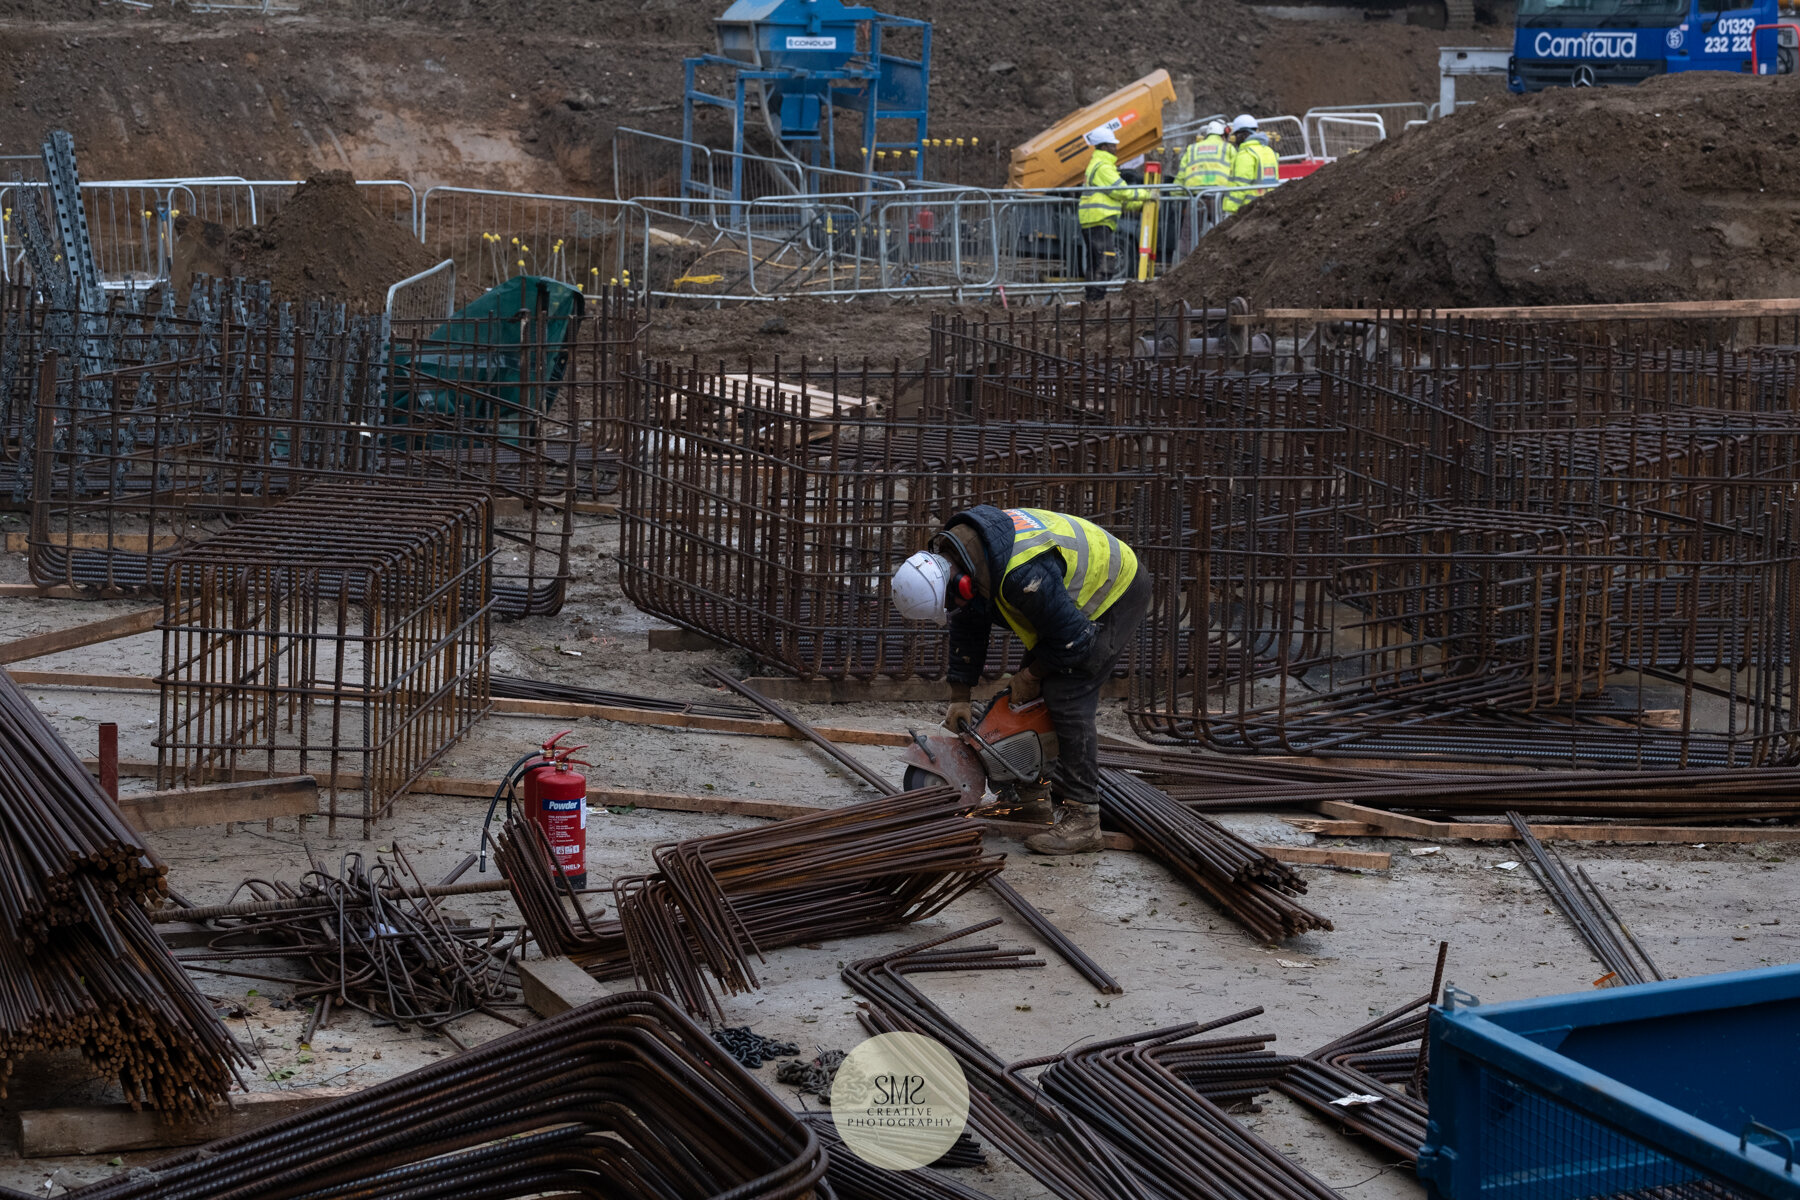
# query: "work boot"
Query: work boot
{"points": [[1038, 812], [1078, 832]]}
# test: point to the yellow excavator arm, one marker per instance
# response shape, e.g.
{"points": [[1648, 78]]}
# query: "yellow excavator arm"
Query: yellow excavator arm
{"points": [[1058, 156]]}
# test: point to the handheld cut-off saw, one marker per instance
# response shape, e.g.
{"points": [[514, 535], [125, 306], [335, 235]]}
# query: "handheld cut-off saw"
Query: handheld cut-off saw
{"points": [[1007, 751]]}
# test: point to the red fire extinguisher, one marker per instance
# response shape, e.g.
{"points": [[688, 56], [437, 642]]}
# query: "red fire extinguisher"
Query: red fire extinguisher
{"points": [[556, 798]]}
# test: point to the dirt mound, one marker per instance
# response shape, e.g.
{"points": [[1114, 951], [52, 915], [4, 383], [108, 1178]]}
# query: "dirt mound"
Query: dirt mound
{"points": [[1686, 187], [324, 242]]}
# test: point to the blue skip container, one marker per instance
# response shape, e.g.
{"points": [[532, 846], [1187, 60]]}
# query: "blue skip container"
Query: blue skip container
{"points": [[1665, 1091]]}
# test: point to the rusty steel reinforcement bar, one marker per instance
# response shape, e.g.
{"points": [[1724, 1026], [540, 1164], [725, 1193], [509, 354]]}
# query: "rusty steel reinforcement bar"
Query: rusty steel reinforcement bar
{"points": [[692, 928], [161, 427], [1115, 1118], [1059, 941], [343, 592], [369, 937], [1246, 884], [1587, 909], [624, 1089], [766, 507], [80, 965], [1205, 782]]}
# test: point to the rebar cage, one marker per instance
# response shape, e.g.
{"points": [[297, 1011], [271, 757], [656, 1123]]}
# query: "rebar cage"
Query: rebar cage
{"points": [[343, 632], [1550, 542], [769, 509], [152, 432]]}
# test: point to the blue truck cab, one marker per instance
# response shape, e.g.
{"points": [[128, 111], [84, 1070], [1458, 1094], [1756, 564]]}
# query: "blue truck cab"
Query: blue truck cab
{"points": [[1588, 43]]}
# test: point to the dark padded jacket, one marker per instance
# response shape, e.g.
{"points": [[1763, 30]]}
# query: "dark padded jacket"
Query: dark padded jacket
{"points": [[1036, 591]]}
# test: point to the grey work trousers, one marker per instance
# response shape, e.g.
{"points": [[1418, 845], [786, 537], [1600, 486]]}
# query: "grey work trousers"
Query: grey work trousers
{"points": [[1073, 697]]}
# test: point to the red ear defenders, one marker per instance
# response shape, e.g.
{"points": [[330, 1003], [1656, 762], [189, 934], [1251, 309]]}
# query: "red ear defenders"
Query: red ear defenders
{"points": [[964, 587]]}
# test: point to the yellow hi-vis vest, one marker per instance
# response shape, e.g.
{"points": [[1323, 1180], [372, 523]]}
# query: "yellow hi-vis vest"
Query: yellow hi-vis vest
{"points": [[1097, 567], [1103, 207], [1205, 164], [1253, 163]]}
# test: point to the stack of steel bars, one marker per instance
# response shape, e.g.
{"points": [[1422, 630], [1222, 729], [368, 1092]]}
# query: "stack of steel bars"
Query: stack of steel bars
{"points": [[623, 1098], [1248, 886], [1137, 1116], [1375, 1060], [1177, 1142], [716, 902], [80, 966], [1212, 782], [368, 937], [1588, 910]]}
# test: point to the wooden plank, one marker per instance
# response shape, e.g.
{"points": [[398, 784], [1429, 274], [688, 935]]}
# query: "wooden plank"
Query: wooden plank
{"points": [[124, 543], [220, 803], [1329, 828], [1020, 830], [1397, 825], [710, 724], [682, 641], [90, 634], [76, 679], [555, 985], [1547, 312], [33, 591], [671, 802], [896, 691], [115, 1128], [1330, 856], [596, 508], [532, 708]]}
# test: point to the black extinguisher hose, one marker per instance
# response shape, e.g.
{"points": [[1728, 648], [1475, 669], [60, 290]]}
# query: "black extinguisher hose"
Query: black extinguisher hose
{"points": [[508, 785]]}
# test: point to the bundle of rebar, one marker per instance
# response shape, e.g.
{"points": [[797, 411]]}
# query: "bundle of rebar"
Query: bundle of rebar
{"points": [[1245, 883], [1586, 907], [371, 937], [1204, 782], [1356, 1081], [691, 929], [1141, 1115], [1179, 1143], [347, 625], [80, 965], [623, 1097]]}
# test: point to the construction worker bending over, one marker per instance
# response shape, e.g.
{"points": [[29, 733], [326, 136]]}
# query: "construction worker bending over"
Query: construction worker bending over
{"points": [[1107, 199], [1253, 162], [1074, 594]]}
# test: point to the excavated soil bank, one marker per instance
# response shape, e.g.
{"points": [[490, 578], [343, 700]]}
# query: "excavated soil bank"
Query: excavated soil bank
{"points": [[1683, 188], [324, 242]]}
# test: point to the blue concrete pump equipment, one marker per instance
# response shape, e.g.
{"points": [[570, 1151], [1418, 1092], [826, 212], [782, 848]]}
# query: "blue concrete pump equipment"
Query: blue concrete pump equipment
{"points": [[794, 65]]}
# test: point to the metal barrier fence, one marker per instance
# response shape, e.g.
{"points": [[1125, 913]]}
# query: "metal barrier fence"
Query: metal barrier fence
{"points": [[1338, 134], [428, 296], [947, 243], [587, 243], [654, 165], [1393, 115]]}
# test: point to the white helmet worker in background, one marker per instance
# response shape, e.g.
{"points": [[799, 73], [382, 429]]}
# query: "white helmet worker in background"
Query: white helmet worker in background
{"points": [[921, 588], [1205, 164], [1106, 197], [1254, 164]]}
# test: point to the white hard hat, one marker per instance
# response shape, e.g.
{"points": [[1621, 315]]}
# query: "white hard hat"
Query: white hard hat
{"points": [[1242, 122], [920, 586], [1103, 136], [1212, 128]]}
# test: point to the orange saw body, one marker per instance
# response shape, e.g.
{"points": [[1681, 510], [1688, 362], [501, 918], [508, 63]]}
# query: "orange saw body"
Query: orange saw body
{"points": [[1008, 752]]}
